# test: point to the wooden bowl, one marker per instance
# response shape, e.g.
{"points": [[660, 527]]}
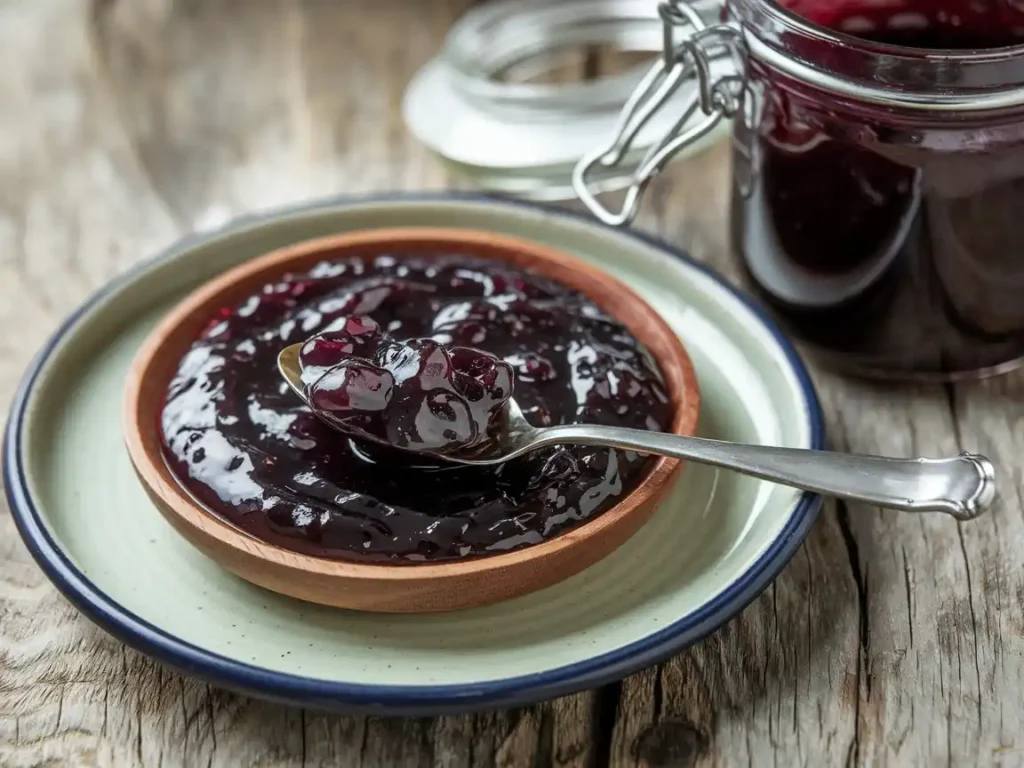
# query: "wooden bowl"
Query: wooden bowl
{"points": [[398, 588]]}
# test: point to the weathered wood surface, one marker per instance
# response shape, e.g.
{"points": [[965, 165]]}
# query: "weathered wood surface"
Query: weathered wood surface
{"points": [[890, 639]]}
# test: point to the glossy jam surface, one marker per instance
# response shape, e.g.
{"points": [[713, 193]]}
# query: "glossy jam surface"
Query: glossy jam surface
{"points": [[244, 444], [415, 394], [888, 241], [928, 24]]}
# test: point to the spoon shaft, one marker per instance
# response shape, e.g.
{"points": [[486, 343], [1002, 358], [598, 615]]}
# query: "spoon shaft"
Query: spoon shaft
{"points": [[962, 486]]}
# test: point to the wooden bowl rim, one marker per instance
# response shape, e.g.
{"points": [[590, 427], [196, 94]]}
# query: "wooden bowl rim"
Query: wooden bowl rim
{"points": [[144, 444]]}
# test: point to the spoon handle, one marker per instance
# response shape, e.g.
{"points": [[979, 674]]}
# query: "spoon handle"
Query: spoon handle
{"points": [[962, 486]]}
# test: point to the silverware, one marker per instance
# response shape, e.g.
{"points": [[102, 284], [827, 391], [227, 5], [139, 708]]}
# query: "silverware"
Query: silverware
{"points": [[962, 486]]}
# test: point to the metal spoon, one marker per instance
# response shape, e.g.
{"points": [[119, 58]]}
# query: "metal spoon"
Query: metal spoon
{"points": [[962, 486]]}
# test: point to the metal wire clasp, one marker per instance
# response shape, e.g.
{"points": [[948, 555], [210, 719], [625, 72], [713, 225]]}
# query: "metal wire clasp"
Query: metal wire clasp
{"points": [[689, 47]]}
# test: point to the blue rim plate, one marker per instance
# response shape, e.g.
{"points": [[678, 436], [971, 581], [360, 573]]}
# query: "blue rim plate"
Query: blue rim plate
{"points": [[260, 681]]}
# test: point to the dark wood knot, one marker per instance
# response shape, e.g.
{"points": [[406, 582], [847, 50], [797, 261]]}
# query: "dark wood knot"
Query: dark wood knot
{"points": [[670, 744]]}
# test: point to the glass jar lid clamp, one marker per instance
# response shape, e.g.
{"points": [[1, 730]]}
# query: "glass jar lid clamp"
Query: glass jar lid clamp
{"points": [[690, 46]]}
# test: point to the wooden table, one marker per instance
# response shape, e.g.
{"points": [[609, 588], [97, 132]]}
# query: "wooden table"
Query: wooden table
{"points": [[127, 123]]}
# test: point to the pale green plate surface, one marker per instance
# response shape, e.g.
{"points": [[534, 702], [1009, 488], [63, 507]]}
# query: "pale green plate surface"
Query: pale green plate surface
{"points": [[714, 527]]}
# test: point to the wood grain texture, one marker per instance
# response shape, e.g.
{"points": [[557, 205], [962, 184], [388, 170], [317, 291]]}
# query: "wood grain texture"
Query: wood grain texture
{"points": [[889, 640], [381, 587]]}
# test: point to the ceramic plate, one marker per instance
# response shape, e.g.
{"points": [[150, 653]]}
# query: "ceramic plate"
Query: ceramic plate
{"points": [[717, 541]]}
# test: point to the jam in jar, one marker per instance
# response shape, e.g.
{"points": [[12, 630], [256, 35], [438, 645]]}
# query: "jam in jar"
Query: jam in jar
{"points": [[878, 190]]}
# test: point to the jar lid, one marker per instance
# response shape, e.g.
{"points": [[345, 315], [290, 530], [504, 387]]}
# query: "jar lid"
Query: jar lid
{"points": [[524, 139]]}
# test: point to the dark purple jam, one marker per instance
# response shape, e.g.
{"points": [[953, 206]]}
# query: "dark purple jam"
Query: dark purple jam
{"points": [[244, 444], [928, 24], [415, 394], [889, 241]]}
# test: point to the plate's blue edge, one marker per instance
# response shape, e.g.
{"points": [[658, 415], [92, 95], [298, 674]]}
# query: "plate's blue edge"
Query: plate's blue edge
{"points": [[396, 700]]}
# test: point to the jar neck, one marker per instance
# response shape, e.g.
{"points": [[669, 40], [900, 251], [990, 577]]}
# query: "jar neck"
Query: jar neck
{"points": [[892, 76]]}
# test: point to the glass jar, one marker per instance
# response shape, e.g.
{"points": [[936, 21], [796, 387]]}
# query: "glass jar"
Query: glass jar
{"points": [[878, 178]]}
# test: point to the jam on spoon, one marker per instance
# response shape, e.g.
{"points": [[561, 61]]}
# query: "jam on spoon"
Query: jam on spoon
{"points": [[417, 394]]}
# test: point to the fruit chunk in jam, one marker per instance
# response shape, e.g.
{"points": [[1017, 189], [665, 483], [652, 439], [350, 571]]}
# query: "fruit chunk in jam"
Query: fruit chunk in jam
{"points": [[416, 394]]}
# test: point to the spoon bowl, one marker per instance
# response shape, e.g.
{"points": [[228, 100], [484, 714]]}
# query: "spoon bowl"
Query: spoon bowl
{"points": [[515, 436]]}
